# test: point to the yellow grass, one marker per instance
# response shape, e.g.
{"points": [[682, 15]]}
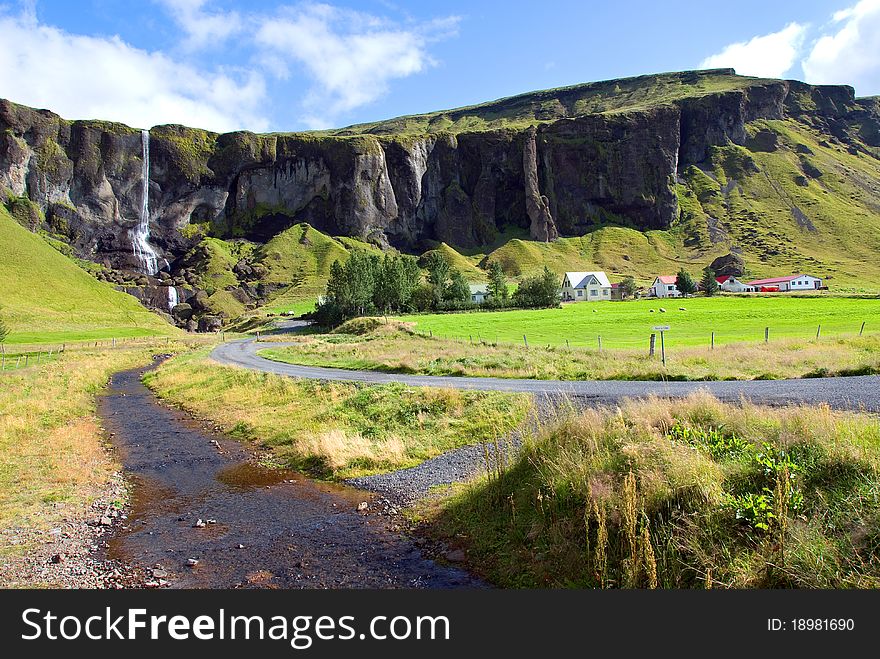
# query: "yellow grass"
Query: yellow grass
{"points": [[53, 460]]}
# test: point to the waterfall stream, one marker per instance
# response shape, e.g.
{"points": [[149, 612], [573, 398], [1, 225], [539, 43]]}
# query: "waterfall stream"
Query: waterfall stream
{"points": [[172, 298], [140, 235]]}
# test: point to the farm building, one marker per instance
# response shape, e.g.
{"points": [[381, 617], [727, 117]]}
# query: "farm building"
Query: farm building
{"points": [[479, 293], [585, 287], [731, 284], [665, 286], [786, 284]]}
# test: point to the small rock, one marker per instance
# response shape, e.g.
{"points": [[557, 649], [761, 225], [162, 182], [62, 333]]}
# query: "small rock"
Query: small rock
{"points": [[455, 556], [199, 524], [241, 546], [192, 562], [362, 506], [160, 574], [58, 558], [211, 521], [105, 521]]}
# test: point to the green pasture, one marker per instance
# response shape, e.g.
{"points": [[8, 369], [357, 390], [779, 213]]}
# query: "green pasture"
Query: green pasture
{"points": [[629, 324]]}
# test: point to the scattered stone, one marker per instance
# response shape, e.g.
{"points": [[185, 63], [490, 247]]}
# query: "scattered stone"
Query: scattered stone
{"points": [[105, 521], [199, 524], [58, 558], [192, 562], [362, 506], [211, 521], [160, 573]]}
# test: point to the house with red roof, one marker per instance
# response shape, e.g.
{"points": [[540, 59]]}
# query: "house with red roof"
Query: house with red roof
{"points": [[786, 284], [665, 286], [731, 284]]}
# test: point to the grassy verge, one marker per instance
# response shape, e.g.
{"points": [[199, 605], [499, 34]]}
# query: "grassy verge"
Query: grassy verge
{"points": [[53, 460], [690, 494], [335, 430], [396, 349]]}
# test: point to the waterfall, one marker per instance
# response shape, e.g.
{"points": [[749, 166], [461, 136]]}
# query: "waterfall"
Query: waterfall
{"points": [[143, 251], [172, 298]]}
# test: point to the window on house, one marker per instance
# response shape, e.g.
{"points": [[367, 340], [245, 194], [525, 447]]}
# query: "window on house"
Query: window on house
{"points": [[594, 293], [580, 293], [606, 292], [670, 288]]}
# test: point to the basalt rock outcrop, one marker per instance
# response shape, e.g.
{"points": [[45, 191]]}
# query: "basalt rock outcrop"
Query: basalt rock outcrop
{"points": [[563, 171]]}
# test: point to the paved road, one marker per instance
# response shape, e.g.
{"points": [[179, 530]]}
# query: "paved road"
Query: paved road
{"points": [[851, 393]]}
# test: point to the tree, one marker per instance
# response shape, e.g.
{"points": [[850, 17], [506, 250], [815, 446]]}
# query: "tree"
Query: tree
{"points": [[398, 277], [438, 274], [685, 283], [498, 282], [539, 291], [708, 283], [458, 289], [628, 287]]}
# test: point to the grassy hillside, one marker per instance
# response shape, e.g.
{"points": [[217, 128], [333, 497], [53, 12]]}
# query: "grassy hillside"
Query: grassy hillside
{"points": [[549, 105], [46, 297]]}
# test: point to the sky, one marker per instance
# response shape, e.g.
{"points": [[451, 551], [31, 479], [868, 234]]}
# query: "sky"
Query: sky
{"points": [[269, 65]]}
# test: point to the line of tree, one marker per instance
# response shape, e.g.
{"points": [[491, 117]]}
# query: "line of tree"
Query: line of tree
{"points": [[368, 284]]}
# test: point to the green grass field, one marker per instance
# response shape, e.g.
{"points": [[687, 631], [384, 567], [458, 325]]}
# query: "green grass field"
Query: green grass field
{"points": [[46, 298], [628, 324]]}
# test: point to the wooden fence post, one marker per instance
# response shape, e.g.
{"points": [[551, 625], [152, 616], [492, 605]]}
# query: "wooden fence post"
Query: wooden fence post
{"points": [[600, 343], [653, 344], [713, 340], [862, 331], [567, 344], [525, 340], [766, 335], [26, 360], [818, 331]]}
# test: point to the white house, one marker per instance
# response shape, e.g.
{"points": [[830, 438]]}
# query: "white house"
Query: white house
{"points": [[479, 293], [665, 286], [731, 284], [786, 284], [585, 287]]}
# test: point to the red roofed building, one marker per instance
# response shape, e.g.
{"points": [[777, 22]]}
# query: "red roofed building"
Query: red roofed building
{"points": [[785, 284], [665, 286], [731, 284]]}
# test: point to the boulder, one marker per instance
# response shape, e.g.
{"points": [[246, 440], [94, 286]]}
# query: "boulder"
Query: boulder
{"points": [[210, 324], [182, 312], [729, 265]]}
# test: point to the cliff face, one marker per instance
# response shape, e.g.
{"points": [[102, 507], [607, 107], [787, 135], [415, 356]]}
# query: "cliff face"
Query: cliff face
{"points": [[557, 178]]}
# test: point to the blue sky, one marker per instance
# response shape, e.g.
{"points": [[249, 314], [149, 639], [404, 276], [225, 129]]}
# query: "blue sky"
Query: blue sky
{"points": [[270, 65]]}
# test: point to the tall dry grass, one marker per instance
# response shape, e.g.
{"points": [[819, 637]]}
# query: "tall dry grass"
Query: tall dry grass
{"points": [[53, 460], [685, 493]]}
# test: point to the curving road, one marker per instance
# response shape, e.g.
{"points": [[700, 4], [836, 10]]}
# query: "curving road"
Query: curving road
{"points": [[849, 393]]}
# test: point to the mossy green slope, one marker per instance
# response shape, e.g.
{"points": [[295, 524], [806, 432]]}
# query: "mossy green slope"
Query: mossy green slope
{"points": [[46, 297]]}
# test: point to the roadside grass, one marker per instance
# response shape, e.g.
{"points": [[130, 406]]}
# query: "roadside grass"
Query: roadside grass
{"points": [[395, 348], [335, 430], [734, 319], [53, 457], [46, 297], [677, 494]]}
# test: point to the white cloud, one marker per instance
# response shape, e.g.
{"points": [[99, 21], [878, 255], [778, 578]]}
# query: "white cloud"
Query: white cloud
{"points": [[766, 56], [106, 78], [851, 55], [351, 57], [203, 28]]}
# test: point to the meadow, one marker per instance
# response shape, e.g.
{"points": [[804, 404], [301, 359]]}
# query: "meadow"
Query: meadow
{"points": [[688, 494], [629, 324]]}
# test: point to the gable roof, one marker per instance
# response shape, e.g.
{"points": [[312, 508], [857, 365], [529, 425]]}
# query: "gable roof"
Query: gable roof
{"points": [[723, 279], [667, 279], [778, 280], [479, 288], [577, 279]]}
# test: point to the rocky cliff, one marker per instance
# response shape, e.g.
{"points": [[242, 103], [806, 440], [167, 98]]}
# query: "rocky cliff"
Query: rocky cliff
{"points": [[558, 164]]}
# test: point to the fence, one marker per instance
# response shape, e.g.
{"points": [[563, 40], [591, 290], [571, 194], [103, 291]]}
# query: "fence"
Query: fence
{"points": [[24, 355], [650, 341]]}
